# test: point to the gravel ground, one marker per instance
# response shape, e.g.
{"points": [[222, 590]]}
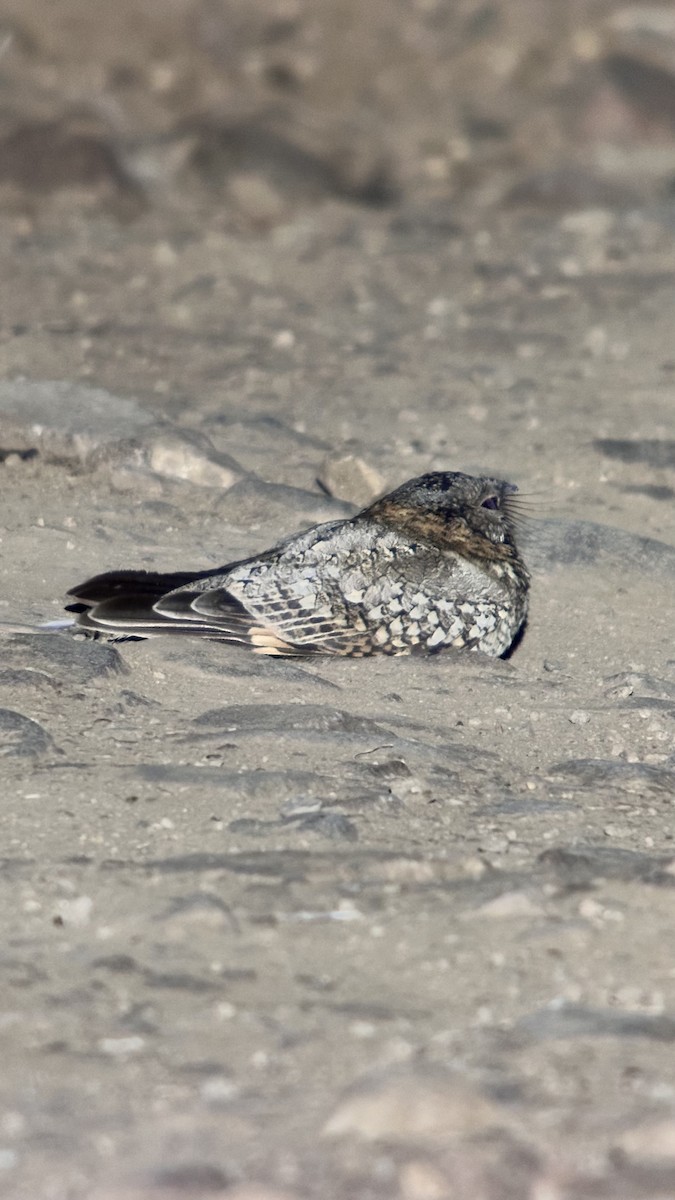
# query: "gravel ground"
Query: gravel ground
{"points": [[393, 929]]}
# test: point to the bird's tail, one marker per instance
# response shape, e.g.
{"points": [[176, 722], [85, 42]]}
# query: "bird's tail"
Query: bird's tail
{"points": [[128, 605], [121, 604]]}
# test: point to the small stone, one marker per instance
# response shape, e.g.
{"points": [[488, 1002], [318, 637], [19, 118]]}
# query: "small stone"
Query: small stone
{"points": [[292, 809], [422, 1181], [596, 342], [591, 223], [190, 456], [650, 1143], [510, 904], [75, 912], [218, 1089], [225, 1011], [256, 200], [140, 484], [617, 831], [473, 868], [350, 478], [22, 736], [8, 1158], [494, 843], [403, 1106], [164, 254], [121, 1047], [330, 825], [362, 1031], [597, 914], [579, 717]]}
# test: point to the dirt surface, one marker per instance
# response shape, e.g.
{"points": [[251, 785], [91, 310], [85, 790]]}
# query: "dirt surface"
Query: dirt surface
{"points": [[354, 930]]}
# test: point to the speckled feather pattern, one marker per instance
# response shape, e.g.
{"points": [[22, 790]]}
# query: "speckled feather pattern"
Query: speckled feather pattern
{"points": [[432, 565]]}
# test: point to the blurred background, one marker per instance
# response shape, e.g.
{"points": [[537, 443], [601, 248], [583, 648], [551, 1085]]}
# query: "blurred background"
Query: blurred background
{"points": [[245, 111]]}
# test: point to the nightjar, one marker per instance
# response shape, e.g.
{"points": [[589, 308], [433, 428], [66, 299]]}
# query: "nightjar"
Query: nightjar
{"points": [[433, 564]]}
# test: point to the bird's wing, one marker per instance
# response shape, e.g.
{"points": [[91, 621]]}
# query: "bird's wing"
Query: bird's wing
{"points": [[294, 600], [341, 588], [267, 602], [216, 613], [278, 622]]}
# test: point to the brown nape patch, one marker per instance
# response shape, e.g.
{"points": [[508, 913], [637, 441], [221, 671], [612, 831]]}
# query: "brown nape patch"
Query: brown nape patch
{"points": [[435, 530]]}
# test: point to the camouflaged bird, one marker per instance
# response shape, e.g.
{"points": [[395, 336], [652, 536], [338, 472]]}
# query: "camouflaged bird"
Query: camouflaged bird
{"points": [[434, 564]]}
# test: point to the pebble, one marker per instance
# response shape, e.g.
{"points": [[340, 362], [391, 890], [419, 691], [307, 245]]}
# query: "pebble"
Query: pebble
{"points": [[121, 1047], [403, 1107], [509, 904], [348, 477], [255, 199], [21, 736], [650, 1143], [422, 1181], [76, 913], [218, 1089], [190, 456], [579, 717]]}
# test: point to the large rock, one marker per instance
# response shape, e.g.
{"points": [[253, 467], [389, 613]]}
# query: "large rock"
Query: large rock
{"points": [[63, 419], [93, 426]]}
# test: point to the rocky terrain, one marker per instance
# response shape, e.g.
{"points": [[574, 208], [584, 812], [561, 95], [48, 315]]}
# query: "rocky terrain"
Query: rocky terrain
{"points": [[379, 929]]}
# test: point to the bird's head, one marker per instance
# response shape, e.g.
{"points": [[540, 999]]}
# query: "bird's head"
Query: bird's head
{"points": [[452, 510]]}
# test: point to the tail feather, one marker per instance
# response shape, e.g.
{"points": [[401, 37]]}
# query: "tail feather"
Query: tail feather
{"points": [[125, 605], [122, 603], [149, 586]]}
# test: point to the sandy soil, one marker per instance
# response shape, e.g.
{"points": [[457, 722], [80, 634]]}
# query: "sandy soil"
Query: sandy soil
{"points": [[368, 930]]}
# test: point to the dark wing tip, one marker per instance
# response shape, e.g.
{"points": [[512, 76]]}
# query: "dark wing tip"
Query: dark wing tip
{"points": [[151, 584]]}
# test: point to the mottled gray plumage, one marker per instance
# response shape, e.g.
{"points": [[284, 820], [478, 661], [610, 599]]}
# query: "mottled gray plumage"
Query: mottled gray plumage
{"points": [[431, 565]]}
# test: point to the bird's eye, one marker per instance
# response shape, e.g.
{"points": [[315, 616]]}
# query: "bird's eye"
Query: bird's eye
{"points": [[491, 502]]}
